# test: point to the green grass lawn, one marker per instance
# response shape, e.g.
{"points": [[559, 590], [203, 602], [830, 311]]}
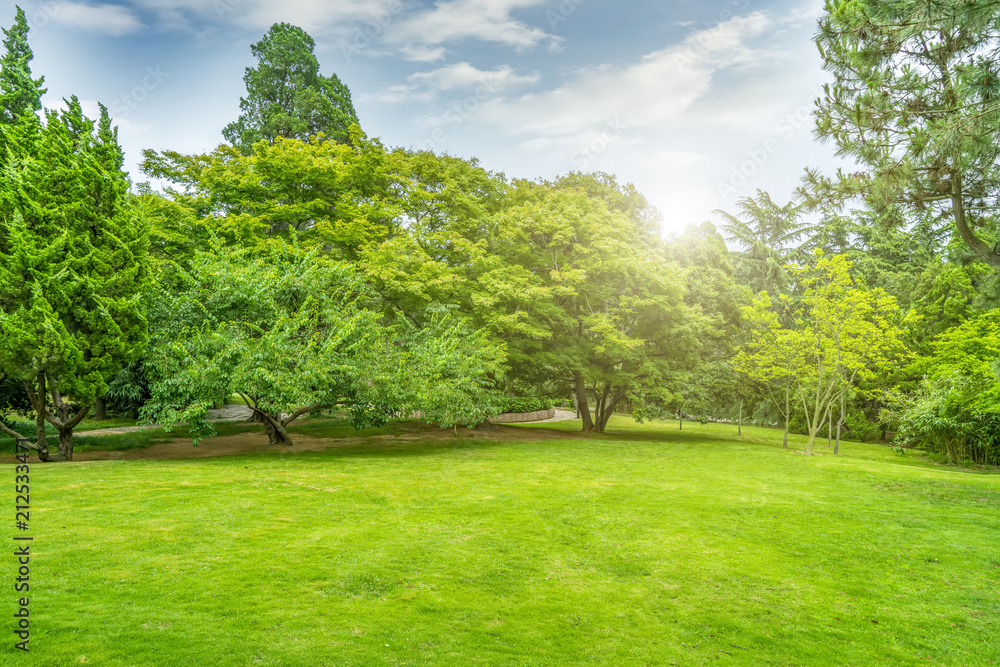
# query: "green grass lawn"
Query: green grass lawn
{"points": [[644, 546]]}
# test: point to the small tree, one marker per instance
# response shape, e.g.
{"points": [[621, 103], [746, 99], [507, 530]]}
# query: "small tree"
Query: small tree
{"points": [[771, 356], [837, 333]]}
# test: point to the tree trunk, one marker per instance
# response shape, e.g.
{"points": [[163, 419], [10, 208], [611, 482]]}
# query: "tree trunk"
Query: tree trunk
{"points": [[813, 431], [680, 419], [276, 432], [66, 444], [829, 428], [840, 423], [605, 414], [581, 402], [598, 410], [43, 445], [788, 416], [100, 409], [65, 423]]}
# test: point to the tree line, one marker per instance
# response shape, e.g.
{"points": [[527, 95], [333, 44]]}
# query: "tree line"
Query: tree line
{"points": [[305, 266]]}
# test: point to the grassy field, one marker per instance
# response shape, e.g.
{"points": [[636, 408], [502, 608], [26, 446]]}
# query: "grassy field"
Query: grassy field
{"points": [[646, 546]]}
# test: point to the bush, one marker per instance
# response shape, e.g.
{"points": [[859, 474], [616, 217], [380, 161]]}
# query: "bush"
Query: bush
{"points": [[861, 430], [797, 424], [955, 412], [128, 391], [527, 404], [941, 418], [13, 398]]}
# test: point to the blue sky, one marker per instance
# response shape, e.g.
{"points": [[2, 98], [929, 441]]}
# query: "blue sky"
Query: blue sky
{"points": [[697, 103]]}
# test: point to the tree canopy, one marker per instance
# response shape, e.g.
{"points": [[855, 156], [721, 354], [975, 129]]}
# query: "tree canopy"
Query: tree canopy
{"points": [[287, 96], [915, 100], [289, 331]]}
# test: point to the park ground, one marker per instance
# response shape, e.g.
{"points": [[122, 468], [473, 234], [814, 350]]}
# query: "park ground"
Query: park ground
{"points": [[527, 545]]}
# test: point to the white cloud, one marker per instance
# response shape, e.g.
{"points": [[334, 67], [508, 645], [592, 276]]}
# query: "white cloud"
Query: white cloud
{"points": [[419, 35], [420, 53], [310, 15], [111, 20], [647, 95], [425, 86], [456, 20], [464, 75]]}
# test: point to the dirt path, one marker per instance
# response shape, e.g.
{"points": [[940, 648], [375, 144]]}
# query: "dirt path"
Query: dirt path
{"points": [[230, 412], [561, 416], [255, 442], [237, 412]]}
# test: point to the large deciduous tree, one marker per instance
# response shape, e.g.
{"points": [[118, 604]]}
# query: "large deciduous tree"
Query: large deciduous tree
{"points": [[288, 330], [287, 96], [75, 266], [570, 274], [340, 196], [916, 100]]}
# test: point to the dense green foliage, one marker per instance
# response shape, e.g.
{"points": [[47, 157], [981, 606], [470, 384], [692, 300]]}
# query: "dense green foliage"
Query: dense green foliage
{"points": [[307, 266], [19, 92], [956, 409], [288, 331], [13, 398], [346, 291], [75, 269]]}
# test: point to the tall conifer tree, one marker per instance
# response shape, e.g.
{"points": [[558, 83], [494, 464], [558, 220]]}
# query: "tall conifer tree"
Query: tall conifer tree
{"points": [[18, 91], [287, 96], [75, 267]]}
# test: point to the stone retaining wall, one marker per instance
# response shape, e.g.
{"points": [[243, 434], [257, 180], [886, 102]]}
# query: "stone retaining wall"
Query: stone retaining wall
{"points": [[517, 417]]}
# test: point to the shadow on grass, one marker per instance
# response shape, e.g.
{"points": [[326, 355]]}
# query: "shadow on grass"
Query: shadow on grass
{"points": [[649, 432], [414, 438]]}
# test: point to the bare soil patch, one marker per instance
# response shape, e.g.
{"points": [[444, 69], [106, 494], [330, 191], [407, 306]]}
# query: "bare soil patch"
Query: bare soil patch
{"points": [[255, 442]]}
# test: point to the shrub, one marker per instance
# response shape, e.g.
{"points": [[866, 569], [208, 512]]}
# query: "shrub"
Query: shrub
{"points": [[128, 391], [941, 418], [956, 410], [861, 429]]}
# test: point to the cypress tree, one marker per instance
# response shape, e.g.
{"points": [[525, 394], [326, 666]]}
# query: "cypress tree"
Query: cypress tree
{"points": [[19, 93], [71, 314]]}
